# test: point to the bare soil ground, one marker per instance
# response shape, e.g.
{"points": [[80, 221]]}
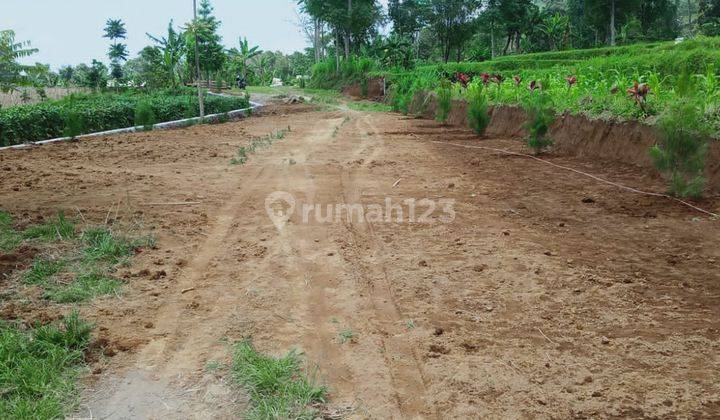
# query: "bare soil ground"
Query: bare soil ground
{"points": [[549, 295]]}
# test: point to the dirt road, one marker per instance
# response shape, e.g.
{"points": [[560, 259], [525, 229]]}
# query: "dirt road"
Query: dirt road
{"points": [[548, 295]]}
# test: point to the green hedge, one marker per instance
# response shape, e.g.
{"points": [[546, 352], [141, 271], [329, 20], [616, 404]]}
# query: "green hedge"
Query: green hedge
{"points": [[100, 112]]}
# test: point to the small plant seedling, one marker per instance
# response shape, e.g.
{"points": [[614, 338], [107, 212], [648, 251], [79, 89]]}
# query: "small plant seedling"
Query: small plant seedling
{"points": [[410, 324], [212, 366], [347, 336]]}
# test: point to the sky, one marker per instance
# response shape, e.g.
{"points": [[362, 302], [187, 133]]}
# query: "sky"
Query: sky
{"points": [[70, 31]]}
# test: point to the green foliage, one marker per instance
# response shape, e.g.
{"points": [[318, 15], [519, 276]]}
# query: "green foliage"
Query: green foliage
{"points": [[38, 368], [86, 286], [444, 103], [9, 238], [57, 228], [354, 70], [145, 116], [103, 245], [682, 147], [74, 124], [541, 115], [278, 388], [101, 112], [42, 270], [478, 110]]}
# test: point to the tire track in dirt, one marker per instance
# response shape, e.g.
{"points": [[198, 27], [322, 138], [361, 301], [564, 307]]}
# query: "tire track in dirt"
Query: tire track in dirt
{"points": [[409, 382]]}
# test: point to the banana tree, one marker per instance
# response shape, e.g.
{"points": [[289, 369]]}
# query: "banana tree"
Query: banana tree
{"points": [[173, 48], [244, 55]]}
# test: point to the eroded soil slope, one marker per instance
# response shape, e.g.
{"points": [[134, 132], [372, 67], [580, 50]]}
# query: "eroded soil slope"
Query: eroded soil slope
{"points": [[549, 295]]}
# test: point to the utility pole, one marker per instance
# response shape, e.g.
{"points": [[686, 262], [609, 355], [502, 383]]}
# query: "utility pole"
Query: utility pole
{"points": [[201, 100]]}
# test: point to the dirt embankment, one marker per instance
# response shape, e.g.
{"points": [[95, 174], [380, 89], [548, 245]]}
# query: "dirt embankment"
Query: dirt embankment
{"points": [[626, 142], [374, 88]]}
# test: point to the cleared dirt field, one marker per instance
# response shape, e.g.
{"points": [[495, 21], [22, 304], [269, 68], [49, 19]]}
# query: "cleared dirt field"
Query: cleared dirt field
{"points": [[549, 295]]}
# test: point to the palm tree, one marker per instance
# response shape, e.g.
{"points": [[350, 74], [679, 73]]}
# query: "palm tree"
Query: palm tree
{"points": [[115, 30], [10, 50], [173, 48], [245, 54]]}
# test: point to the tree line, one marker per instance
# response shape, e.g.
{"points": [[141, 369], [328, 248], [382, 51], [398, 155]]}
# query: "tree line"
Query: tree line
{"points": [[476, 30]]}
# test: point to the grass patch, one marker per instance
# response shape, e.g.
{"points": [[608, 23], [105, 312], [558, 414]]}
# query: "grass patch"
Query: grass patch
{"points": [[259, 143], [43, 270], [369, 106], [86, 286], [58, 228], [38, 368], [9, 238], [278, 388], [102, 245]]}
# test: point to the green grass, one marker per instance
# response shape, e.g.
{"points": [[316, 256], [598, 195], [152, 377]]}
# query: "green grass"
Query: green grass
{"points": [[86, 286], [278, 388], [9, 238], [42, 271], [38, 368], [347, 335], [369, 106], [57, 228], [102, 245]]}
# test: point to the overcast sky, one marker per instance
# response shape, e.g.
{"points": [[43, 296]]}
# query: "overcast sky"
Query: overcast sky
{"points": [[70, 31]]}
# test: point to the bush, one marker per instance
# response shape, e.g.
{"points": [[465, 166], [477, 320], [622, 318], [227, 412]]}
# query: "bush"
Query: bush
{"points": [[100, 112], [681, 149], [145, 116], [478, 115], [540, 116], [74, 125], [444, 102]]}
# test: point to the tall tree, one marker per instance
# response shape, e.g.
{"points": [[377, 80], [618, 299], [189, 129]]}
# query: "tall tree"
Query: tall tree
{"points": [[452, 21], [211, 53], [118, 52]]}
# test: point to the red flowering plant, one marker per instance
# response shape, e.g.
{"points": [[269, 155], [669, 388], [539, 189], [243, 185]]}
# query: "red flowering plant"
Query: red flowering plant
{"points": [[571, 80], [463, 78], [534, 85], [639, 92], [485, 78], [517, 79]]}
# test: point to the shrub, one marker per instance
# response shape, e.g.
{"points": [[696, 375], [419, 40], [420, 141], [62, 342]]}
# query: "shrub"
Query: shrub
{"points": [[478, 115], [74, 124], [444, 102], [681, 149], [541, 115], [99, 112], [145, 116]]}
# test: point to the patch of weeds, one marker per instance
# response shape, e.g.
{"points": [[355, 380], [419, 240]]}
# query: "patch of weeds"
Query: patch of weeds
{"points": [[38, 368], [9, 238], [58, 228], [223, 118], [347, 336], [43, 270], [241, 157], [369, 106], [259, 143], [86, 286], [278, 388], [212, 366], [410, 324], [102, 245]]}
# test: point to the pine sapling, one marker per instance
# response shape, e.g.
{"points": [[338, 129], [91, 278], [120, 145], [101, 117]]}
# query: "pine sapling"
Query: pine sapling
{"points": [[540, 116], [478, 112]]}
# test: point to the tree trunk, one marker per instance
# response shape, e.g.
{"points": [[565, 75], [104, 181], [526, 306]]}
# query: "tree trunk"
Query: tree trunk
{"points": [[347, 31], [337, 54], [612, 22], [316, 39], [492, 42], [446, 51], [689, 13], [507, 44]]}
